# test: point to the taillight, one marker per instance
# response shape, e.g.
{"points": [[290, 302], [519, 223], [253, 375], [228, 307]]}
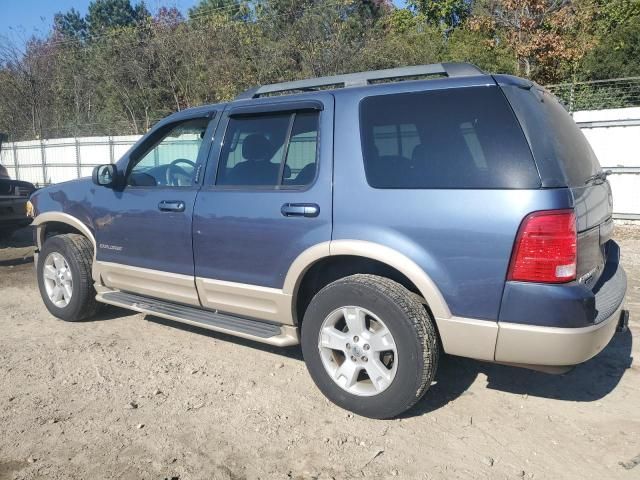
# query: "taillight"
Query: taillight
{"points": [[546, 248]]}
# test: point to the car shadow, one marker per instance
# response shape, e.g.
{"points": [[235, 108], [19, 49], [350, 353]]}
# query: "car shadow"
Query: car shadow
{"points": [[588, 382], [20, 238], [14, 262], [108, 312], [17, 249], [293, 352]]}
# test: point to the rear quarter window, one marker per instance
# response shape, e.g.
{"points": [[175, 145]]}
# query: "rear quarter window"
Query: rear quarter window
{"points": [[457, 138], [561, 150]]}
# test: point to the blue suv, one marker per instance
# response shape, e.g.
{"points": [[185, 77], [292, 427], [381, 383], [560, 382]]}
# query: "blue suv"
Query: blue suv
{"points": [[379, 219]]}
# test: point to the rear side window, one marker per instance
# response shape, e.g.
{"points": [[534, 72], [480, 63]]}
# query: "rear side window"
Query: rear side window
{"points": [[458, 138]]}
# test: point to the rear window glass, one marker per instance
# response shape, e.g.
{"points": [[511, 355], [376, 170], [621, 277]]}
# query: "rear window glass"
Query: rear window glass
{"points": [[462, 138]]}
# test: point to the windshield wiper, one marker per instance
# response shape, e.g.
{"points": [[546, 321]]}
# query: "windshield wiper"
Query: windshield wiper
{"points": [[600, 177]]}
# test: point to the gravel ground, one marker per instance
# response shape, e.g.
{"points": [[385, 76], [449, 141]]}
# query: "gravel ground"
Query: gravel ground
{"points": [[136, 397]]}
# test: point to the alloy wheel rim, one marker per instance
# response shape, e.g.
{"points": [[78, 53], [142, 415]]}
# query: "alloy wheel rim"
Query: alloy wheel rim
{"points": [[358, 351], [58, 280]]}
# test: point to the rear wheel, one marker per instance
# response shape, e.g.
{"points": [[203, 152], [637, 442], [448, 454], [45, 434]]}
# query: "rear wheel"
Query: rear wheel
{"points": [[370, 345], [64, 277]]}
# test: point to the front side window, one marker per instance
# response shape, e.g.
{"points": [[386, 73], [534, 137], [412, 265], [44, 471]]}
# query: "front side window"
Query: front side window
{"points": [[270, 150], [454, 138], [172, 159]]}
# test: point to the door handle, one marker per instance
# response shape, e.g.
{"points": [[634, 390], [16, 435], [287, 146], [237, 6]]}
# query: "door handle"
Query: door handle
{"points": [[300, 210], [171, 206]]}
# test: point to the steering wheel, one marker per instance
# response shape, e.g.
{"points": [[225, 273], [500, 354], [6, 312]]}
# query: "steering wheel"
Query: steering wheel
{"points": [[173, 170]]}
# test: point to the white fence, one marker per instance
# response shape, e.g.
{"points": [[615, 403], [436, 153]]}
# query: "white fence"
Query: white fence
{"points": [[614, 135], [51, 161]]}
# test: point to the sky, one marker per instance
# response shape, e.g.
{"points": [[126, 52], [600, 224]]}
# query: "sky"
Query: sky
{"points": [[19, 19]]}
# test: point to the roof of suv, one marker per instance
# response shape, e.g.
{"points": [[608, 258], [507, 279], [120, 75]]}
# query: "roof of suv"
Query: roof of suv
{"points": [[459, 73], [362, 79]]}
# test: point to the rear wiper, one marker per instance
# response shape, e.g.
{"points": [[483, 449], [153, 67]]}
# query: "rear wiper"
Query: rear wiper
{"points": [[600, 177]]}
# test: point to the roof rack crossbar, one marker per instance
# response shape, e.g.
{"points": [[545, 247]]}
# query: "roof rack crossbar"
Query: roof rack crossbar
{"points": [[361, 79]]}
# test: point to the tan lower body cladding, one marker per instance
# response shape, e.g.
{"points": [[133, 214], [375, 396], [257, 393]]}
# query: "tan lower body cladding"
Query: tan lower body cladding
{"points": [[502, 342], [163, 285], [245, 300]]}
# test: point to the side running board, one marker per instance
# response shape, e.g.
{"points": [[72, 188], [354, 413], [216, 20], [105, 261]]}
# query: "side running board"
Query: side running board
{"points": [[242, 327]]}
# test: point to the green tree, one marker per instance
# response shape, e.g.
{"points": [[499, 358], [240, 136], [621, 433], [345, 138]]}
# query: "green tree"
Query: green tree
{"points": [[70, 25], [104, 15], [489, 53], [233, 9], [608, 15], [618, 54], [446, 14]]}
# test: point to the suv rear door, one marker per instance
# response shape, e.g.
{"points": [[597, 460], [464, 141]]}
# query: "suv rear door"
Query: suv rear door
{"points": [[267, 197], [565, 159]]}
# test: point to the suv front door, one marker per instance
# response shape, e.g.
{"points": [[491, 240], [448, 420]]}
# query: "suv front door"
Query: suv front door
{"points": [[143, 231], [265, 200]]}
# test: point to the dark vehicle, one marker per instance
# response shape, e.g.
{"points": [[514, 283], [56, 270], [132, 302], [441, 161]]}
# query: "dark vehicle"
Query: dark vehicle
{"points": [[375, 221], [13, 201]]}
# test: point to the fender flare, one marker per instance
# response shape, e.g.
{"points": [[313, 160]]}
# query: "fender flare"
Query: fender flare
{"points": [[59, 217], [374, 251]]}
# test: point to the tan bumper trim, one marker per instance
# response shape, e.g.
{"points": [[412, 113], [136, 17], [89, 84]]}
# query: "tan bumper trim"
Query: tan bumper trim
{"points": [[468, 337], [553, 346]]}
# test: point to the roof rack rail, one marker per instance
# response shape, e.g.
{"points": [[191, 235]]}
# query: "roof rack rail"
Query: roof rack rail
{"points": [[361, 79]]}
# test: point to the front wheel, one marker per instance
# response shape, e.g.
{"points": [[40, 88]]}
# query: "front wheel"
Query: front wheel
{"points": [[64, 277], [370, 345]]}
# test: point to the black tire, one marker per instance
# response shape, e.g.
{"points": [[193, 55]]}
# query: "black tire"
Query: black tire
{"points": [[408, 321], [78, 252]]}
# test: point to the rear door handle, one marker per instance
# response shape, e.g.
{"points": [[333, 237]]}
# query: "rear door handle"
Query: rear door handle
{"points": [[171, 206], [300, 210]]}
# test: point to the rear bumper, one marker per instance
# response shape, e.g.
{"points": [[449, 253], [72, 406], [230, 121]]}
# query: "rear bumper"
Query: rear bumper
{"points": [[561, 325], [552, 346], [570, 305]]}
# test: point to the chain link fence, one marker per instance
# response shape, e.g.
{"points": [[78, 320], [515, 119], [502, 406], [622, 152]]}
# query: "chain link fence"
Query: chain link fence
{"points": [[599, 94]]}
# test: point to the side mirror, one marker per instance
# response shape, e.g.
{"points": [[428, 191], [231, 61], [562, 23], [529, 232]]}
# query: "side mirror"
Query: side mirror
{"points": [[105, 175]]}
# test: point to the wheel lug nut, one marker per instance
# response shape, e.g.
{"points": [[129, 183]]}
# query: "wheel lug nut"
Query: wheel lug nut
{"points": [[353, 359], [348, 345], [364, 359], [366, 346], [355, 339]]}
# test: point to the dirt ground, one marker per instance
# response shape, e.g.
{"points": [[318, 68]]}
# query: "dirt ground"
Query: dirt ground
{"points": [[136, 397]]}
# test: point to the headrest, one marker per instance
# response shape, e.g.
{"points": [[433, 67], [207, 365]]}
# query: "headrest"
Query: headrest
{"points": [[256, 147]]}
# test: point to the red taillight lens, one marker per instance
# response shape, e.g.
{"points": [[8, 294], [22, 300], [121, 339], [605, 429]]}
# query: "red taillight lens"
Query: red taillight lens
{"points": [[545, 249]]}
